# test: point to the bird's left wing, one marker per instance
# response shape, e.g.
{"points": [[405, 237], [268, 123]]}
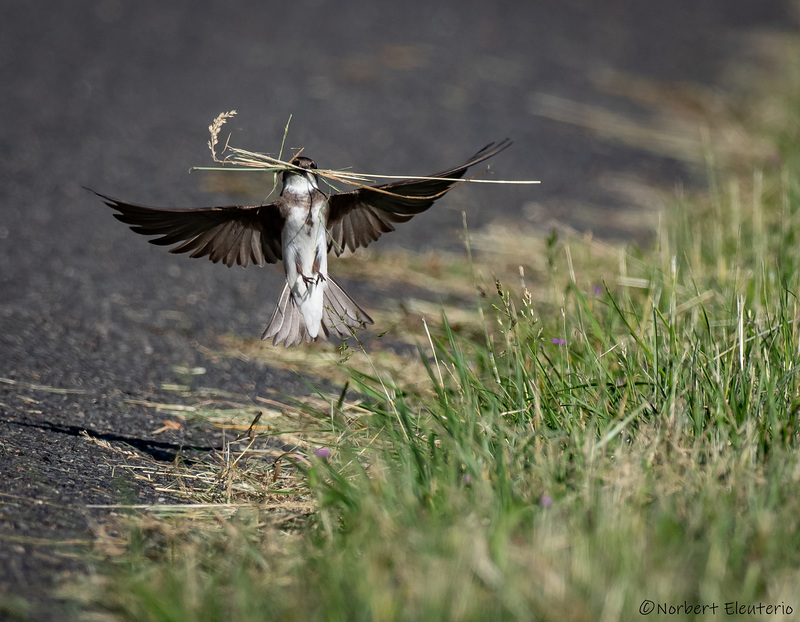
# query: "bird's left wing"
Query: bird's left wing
{"points": [[234, 234], [359, 217]]}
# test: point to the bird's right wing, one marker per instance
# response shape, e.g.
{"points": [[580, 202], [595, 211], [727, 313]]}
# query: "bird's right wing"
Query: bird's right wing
{"points": [[234, 234], [360, 216]]}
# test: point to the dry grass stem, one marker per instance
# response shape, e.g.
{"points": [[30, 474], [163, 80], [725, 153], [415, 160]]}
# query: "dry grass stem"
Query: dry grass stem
{"points": [[215, 128], [244, 160]]}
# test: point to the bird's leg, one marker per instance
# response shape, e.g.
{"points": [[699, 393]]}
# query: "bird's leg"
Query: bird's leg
{"points": [[317, 264], [316, 275], [299, 267]]}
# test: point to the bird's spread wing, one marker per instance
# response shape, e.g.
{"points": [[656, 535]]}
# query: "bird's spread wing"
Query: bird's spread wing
{"points": [[228, 234], [359, 217]]}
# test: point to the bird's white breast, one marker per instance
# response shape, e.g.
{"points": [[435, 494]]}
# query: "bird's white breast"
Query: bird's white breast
{"points": [[304, 229]]}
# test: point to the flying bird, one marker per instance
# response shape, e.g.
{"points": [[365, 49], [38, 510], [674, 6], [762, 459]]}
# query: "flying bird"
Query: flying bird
{"points": [[300, 228]]}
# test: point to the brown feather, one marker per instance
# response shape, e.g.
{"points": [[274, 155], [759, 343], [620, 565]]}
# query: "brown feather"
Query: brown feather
{"points": [[359, 217], [212, 231]]}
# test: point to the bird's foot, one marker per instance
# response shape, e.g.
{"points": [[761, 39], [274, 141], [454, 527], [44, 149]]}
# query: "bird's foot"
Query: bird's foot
{"points": [[313, 280]]}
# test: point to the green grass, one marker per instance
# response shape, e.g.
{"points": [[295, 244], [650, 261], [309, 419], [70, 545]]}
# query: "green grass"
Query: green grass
{"points": [[624, 431]]}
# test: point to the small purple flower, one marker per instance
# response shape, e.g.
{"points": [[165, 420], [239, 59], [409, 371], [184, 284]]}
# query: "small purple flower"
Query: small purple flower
{"points": [[546, 501], [467, 479], [559, 342], [597, 290], [323, 452]]}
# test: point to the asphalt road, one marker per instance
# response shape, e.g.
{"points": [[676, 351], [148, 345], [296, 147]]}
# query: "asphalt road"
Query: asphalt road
{"points": [[116, 95]]}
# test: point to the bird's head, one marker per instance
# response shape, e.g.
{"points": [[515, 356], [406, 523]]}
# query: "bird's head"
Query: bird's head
{"points": [[307, 174]]}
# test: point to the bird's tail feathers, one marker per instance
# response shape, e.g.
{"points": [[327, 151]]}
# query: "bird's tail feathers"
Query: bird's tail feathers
{"points": [[342, 313], [287, 324]]}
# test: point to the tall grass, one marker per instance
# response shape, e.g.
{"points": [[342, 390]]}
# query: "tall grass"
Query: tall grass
{"points": [[628, 436]]}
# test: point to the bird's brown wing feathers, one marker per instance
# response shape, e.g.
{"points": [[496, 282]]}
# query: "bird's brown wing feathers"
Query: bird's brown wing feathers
{"points": [[235, 234], [359, 217]]}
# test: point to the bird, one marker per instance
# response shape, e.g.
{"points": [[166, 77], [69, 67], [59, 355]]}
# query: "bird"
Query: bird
{"points": [[301, 227]]}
